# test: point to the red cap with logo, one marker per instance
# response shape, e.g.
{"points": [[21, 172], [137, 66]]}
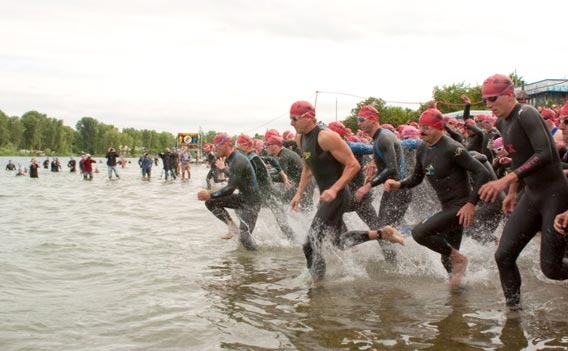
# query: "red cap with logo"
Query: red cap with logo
{"points": [[245, 140], [497, 85], [369, 112], [222, 138], [302, 108], [432, 118]]}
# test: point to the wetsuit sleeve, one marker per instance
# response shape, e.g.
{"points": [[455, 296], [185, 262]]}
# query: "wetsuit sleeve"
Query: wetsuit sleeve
{"points": [[410, 144], [466, 113], [389, 158], [539, 138], [453, 134], [478, 172], [232, 184], [360, 148], [417, 175], [474, 129], [273, 162]]}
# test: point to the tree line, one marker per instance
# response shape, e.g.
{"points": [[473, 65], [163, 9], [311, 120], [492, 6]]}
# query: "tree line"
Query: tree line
{"points": [[37, 133]]}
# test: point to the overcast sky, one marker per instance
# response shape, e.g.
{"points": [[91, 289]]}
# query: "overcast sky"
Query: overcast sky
{"points": [[237, 66]]}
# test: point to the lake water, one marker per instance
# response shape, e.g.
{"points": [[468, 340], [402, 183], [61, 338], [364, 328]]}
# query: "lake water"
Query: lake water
{"points": [[135, 265]]}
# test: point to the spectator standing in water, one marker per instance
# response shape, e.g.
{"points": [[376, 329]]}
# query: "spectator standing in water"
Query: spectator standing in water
{"points": [[111, 157], [34, 166]]}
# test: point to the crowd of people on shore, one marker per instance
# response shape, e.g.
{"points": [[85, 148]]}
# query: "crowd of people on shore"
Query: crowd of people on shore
{"points": [[509, 167]]}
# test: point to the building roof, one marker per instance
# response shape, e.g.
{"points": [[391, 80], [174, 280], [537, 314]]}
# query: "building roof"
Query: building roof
{"points": [[544, 86]]}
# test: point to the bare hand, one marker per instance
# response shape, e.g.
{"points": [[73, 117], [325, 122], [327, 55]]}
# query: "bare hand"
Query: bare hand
{"points": [[328, 195], [465, 99], [220, 163], [509, 203], [295, 202], [561, 223], [466, 214], [391, 185], [203, 195], [505, 160], [491, 190], [362, 191]]}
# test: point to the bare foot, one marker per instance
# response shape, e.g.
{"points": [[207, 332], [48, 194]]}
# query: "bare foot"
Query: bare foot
{"points": [[392, 235], [227, 236], [232, 231], [459, 265]]}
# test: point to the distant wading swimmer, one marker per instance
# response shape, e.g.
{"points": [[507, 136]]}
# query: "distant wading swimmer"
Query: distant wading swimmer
{"points": [[328, 158], [445, 162], [246, 203]]}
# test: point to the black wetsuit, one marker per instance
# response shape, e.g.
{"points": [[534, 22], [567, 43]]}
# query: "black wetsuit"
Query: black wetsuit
{"points": [[488, 215], [246, 203], [446, 165], [268, 194], [537, 164], [389, 159], [10, 167], [488, 137], [474, 141], [214, 172], [328, 220], [72, 164], [364, 209], [33, 170]]}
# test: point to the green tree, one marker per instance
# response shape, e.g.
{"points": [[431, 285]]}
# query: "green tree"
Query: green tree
{"points": [[4, 129], [88, 134], [33, 122], [388, 114], [448, 97], [518, 81]]}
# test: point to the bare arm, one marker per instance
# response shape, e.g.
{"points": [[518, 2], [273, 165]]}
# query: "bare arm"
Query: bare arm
{"points": [[333, 143]]}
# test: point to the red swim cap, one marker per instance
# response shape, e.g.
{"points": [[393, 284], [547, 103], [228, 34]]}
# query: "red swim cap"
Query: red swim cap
{"points": [[548, 114], [354, 139], [222, 138], [245, 140], [270, 133], [388, 126], [564, 110], [496, 85], [304, 108], [369, 112], [409, 132], [338, 127], [275, 140], [432, 118], [287, 135]]}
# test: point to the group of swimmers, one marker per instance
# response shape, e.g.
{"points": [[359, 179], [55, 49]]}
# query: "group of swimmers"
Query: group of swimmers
{"points": [[480, 170]]}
